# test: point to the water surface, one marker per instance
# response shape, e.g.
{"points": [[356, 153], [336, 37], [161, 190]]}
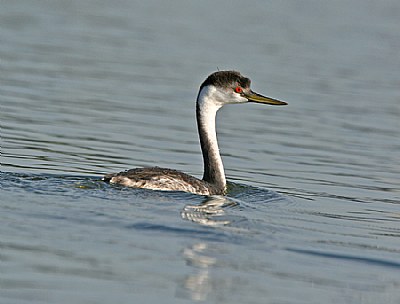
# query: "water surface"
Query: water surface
{"points": [[92, 87]]}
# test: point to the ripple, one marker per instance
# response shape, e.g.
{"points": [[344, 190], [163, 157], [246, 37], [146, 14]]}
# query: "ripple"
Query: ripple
{"points": [[338, 256]]}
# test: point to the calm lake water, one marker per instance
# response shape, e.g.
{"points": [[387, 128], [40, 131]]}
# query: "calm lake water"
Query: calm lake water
{"points": [[93, 87]]}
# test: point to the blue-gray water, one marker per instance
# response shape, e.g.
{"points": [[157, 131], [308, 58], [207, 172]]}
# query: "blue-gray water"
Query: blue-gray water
{"points": [[92, 87]]}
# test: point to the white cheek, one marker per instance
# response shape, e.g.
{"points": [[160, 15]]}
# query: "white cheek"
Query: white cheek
{"points": [[242, 99], [232, 97], [210, 96], [236, 98]]}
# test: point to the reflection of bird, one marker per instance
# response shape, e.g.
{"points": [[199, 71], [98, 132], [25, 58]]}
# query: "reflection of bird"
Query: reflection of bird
{"points": [[210, 212], [219, 89]]}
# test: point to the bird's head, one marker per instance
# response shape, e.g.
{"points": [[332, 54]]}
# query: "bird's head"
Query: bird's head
{"points": [[225, 87]]}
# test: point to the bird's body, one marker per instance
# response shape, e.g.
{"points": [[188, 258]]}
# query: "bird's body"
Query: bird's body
{"points": [[220, 88], [162, 179]]}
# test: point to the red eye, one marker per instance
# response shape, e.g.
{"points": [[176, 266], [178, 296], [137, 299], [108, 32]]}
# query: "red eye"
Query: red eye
{"points": [[238, 89]]}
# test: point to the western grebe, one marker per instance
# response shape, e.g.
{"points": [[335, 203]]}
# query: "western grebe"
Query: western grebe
{"points": [[219, 89]]}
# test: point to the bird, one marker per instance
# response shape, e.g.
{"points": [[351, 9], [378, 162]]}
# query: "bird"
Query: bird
{"points": [[219, 88]]}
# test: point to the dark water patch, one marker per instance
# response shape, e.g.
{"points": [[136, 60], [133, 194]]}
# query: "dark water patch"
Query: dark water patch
{"points": [[349, 258]]}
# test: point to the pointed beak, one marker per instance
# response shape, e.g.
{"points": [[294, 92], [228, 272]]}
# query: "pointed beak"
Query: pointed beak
{"points": [[254, 97]]}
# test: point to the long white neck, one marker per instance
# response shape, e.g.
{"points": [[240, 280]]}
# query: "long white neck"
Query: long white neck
{"points": [[206, 111]]}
